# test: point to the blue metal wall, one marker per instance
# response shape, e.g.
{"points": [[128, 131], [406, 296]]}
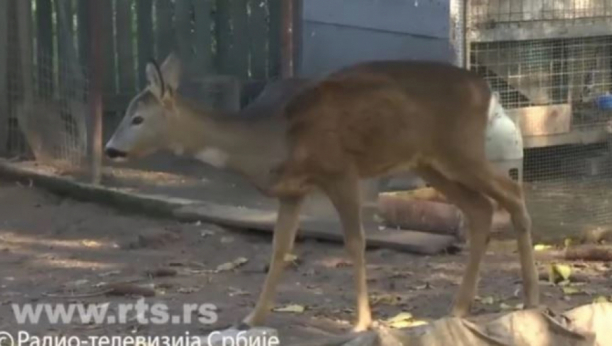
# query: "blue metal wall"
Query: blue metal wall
{"points": [[336, 33]]}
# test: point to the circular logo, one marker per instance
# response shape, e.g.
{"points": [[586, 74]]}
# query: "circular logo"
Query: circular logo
{"points": [[6, 339]]}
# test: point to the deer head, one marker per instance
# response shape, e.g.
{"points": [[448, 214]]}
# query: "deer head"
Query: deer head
{"points": [[144, 127]]}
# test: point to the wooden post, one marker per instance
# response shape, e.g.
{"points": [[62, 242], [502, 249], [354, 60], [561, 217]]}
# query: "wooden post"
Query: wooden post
{"points": [[24, 28], [95, 90], [288, 26], [457, 31], [4, 90]]}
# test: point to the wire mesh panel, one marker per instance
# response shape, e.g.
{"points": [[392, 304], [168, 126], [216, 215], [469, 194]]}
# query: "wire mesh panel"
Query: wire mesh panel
{"points": [[548, 72], [504, 11], [47, 92], [551, 62]]}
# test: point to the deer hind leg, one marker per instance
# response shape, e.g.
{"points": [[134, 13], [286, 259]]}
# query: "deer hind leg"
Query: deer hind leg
{"points": [[478, 210], [344, 194], [484, 178], [284, 237], [509, 194]]}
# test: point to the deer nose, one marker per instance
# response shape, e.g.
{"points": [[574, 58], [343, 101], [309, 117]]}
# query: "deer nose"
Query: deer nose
{"points": [[113, 153]]}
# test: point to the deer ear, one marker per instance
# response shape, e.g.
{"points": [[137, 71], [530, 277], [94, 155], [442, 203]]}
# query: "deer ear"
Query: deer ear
{"points": [[171, 69], [156, 79]]}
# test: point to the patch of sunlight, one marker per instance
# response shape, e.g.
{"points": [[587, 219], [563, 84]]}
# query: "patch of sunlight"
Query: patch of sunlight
{"points": [[13, 238], [70, 263]]}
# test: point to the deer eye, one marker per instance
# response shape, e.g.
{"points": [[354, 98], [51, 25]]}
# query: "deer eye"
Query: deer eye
{"points": [[137, 120]]}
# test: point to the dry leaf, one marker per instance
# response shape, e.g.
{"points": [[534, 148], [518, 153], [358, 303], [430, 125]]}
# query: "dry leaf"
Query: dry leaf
{"points": [[600, 299], [505, 306], [403, 320], [292, 308], [237, 292], [569, 290], [91, 243], [559, 272], [487, 300], [206, 233], [388, 299], [290, 258], [542, 247], [227, 240], [232, 265], [422, 287]]}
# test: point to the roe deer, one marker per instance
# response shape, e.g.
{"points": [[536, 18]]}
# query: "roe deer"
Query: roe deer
{"points": [[359, 122]]}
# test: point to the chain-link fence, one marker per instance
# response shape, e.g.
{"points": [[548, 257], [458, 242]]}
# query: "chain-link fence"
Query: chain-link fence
{"points": [[550, 61]]}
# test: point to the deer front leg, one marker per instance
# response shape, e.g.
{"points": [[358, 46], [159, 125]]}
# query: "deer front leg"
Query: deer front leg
{"points": [[284, 235], [344, 193]]}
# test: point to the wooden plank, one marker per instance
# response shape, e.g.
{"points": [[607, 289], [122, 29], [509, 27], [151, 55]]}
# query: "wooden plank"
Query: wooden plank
{"points": [[258, 39], [579, 135], [164, 30], [4, 77], [543, 120], [318, 228], [274, 30], [83, 31], [45, 51], [540, 30], [203, 37], [241, 217], [144, 12], [182, 25], [125, 52], [239, 56], [108, 47]]}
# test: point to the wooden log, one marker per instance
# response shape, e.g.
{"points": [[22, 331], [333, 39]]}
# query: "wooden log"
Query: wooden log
{"points": [[420, 215], [589, 253], [422, 194]]}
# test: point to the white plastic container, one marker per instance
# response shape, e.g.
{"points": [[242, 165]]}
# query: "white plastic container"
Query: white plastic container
{"points": [[504, 141]]}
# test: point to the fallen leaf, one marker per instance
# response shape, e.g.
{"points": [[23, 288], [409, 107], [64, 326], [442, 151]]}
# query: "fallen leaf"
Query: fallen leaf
{"points": [[600, 299], [542, 247], [519, 306], [569, 290], [227, 240], [292, 308], [487, 300], [403, 320], [505, 306], [187, 290], [237, 292], [559, 272], [290, 257], [206, 233], [91, 243], [388, 299], [422, 287], [109, 273], [232, 265]]}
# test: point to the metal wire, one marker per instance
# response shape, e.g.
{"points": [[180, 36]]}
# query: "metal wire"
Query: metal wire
{"points": [[506, 11], [47, 101], [542, 53]]}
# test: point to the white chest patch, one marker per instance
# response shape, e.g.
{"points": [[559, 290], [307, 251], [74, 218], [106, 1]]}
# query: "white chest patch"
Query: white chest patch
{"points": [[213, 157]]}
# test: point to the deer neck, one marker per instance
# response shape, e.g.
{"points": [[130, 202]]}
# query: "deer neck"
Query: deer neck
{"points": [[223, 140]]}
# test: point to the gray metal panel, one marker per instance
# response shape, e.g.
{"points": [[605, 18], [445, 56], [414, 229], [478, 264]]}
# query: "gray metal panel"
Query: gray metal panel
{"points": [[336, 33], [328, 47], [415, 17]]}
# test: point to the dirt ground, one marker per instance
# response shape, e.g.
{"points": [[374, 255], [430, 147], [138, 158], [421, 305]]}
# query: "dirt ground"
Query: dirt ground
{"points": [[57, 250]]}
